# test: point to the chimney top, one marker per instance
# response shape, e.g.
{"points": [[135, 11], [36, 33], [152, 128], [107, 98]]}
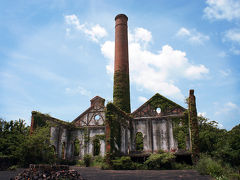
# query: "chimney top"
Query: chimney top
{"points": [[121, 16], [191, 92]]}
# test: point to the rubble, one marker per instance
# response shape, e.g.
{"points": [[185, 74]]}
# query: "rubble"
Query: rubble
{"points": [[48, 172]]}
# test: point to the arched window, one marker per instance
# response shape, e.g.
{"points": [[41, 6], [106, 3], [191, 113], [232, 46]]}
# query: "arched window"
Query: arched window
{"points": [[96, 147], [76, 147], [63, 150], [139, 141]]}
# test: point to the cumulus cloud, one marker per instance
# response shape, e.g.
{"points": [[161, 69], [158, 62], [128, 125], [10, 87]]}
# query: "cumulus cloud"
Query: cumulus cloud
{"points": [[222, 9], [192, 36], [156, 72], [78, 90], [95, 32]]}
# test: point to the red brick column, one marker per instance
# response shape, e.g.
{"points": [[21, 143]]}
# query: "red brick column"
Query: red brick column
{"points": [[121, 90]]}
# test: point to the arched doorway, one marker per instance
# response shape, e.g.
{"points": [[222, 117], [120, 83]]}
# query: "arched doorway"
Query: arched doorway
{"points": [[96, 147]]}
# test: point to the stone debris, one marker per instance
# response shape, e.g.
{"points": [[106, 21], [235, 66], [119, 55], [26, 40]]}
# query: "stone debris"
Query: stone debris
{"points": [[47, 172]]}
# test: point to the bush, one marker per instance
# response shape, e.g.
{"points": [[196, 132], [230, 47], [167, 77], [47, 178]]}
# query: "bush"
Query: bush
{"points": [[208, 166], [87, 160], [181, 166], [97, 161], [160, 161], [123, 163], [13, 168], [80, 163], [105, 166]]}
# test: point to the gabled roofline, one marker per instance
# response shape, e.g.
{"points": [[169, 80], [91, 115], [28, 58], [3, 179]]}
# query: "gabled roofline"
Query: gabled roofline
{"points": [[148, 101], [88, 109]]}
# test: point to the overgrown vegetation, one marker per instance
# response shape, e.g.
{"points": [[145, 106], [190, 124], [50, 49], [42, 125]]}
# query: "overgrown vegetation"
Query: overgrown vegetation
{"points": [[121, 91], [19, 147]]}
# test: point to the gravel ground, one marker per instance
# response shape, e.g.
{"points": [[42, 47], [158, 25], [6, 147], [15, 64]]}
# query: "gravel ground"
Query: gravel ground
{"points": [[96, 173], [91, 173], [6, 175]]}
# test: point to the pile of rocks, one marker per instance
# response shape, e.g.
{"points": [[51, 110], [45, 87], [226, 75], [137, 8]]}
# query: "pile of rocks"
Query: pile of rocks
{"points": [[48, 172]]}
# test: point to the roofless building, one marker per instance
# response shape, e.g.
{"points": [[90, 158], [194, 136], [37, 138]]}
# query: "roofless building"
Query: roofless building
{"points": [[159, 124]]}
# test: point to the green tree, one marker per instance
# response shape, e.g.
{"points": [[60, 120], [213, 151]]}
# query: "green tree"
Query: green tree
{"points": [[37, 149]]}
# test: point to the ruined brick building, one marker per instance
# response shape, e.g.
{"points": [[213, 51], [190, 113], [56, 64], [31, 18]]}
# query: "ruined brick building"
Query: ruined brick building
{"points": [[159, 124]]}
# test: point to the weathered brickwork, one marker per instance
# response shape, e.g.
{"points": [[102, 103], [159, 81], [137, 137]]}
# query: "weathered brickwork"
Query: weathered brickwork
{"points": [[161, 123]]}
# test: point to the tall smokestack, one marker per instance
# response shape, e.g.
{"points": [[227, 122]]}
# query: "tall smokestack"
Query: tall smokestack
{"points": [[121, 90]]}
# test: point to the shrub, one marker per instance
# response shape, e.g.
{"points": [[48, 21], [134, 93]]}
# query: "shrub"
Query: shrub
{"points": [[181, 166], [13, 168], [80, 163], [97, 161], [208, 166], [123, 163], [87, 160], [160, 161]]}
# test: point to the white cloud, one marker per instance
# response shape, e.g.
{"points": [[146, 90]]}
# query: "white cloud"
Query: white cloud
{"points": [[156, 72], [107, 50], [195, 72], [222, 9], [95, 33], [226, 108], [142, 99], [233, 35], [192, 36], [142, 34], [203, 114], [78, 90]]}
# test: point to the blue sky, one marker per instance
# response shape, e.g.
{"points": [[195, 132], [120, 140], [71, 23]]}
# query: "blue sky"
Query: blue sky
{"points": [[56, 55]]}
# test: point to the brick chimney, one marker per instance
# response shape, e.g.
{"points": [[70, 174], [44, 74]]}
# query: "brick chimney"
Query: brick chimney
{"points": [[121, 90]]}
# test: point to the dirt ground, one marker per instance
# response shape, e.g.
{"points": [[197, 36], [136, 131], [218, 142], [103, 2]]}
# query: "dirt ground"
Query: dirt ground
{"points": [[91, 173]]}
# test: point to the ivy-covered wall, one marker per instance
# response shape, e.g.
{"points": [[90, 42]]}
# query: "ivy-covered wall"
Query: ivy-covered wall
{"points": [[121, 91], [116, 120], [193, 123]]}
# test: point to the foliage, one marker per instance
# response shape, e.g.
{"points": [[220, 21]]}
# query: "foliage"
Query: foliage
{"points": [[37, 149], [116, 119], [139, 141], [181, 166], [121, 91], [87, 159], [210, 136], [181, 130], [166, 105], [12, 135], [97, 161], [123, 163], [193, 124], [96, 147], [208, 166], [80, 163], [76, 147], [160, 161]]}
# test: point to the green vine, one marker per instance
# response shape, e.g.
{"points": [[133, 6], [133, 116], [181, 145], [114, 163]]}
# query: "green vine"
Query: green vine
{"points": [[116, 118], [181, 130], [121, 91], [166, 105], [193, 123]]}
